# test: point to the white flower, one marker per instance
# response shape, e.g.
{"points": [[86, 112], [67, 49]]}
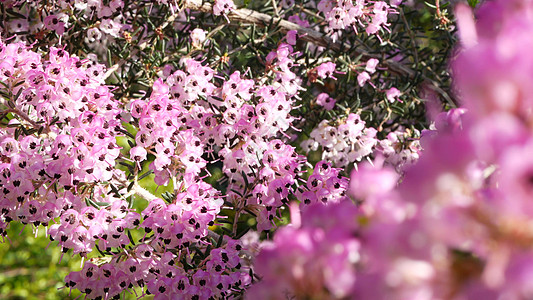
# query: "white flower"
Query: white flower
{"points": [[93, 35], [110, 27], [198, 36]]}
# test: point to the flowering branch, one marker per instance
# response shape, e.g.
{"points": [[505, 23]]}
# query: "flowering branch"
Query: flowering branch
{"points": [[309, 35]]}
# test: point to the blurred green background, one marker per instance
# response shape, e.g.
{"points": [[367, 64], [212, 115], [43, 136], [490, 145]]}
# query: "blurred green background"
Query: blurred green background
{"points": [[29, 271]]}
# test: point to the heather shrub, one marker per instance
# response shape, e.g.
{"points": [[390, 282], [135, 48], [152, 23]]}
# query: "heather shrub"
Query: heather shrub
{"points": [[267, 149]]}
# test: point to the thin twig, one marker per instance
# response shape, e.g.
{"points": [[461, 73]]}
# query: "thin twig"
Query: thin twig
{"points": [[275, 6], [411, 36], [442, 18], [20, 114], [25, 117]]}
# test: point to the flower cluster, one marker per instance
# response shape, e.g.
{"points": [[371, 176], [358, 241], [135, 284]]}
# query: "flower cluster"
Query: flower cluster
{"points": [[61, 137], [107, 17], [240, 121], [313, 259], [211, 113], [370, 68], [462, 212], [280, 63], [326, 185], [401, 148], [81, 230], [342, 14], [223, 7], [164, 275], [348, 142], [184, 222], [162, 131]]}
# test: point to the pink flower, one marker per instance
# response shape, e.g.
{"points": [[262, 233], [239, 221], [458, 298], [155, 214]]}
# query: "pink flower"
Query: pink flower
{"points": [[393, 95], [138, 153], [395, 2], [299, 20], [371, 65], [466, 24], [372, 180], [292, 37], [54, 22], [308, 261], [223, 7], [325, 101], [326, 70], [362, 78], [516, 181]]}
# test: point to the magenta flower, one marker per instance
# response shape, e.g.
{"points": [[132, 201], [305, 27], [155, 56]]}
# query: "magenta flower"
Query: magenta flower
{"points": [[292, 37], [304, 262]]}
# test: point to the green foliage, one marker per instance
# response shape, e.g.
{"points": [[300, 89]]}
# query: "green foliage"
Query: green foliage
{"points": [[473, 3]]}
